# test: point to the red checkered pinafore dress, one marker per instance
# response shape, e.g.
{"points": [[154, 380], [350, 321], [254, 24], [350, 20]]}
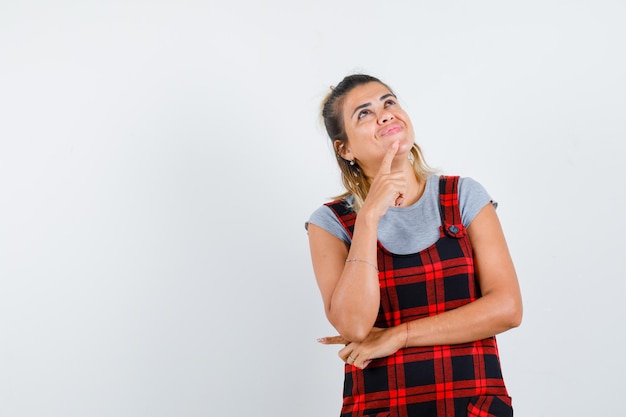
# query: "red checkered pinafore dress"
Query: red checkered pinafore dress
{"points": [[443, 381]]}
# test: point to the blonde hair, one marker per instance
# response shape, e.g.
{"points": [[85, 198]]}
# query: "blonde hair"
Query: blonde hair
{"points": [[353, 178]]}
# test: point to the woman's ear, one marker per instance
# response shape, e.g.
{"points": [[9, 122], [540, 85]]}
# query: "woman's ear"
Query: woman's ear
{"points": [[343, 150]]}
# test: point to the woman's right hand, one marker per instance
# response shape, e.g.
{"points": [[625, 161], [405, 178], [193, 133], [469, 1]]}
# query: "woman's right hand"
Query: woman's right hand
{"points": [[387, 189], [380, 343]]}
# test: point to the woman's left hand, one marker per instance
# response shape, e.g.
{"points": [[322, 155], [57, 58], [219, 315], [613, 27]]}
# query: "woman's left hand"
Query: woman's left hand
{"points": [[380, 343]]}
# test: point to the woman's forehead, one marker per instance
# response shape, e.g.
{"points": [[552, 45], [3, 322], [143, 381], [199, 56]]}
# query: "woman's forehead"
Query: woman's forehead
{"points": [[366, 93]]}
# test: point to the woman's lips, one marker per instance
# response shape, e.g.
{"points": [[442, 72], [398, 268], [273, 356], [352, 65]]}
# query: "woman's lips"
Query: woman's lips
{"points": [[391, 130]]}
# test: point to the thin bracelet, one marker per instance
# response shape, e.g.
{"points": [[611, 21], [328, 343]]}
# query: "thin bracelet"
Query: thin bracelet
{"points": [[406, 344], [361, 260]]}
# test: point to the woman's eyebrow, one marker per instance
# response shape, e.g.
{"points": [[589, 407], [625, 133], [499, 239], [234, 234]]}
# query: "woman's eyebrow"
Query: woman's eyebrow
{"points": [[364, 105]]}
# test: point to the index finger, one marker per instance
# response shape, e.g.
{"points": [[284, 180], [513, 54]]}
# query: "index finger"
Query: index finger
{"points": [[385, 165], [333, 340]]}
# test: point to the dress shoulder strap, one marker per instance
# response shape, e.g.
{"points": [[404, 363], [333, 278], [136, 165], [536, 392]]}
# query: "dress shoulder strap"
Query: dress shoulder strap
{"points": [[449, 208], [345, 214]]}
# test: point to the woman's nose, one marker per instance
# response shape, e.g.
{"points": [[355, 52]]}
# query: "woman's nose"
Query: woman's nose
{"points": [[385, 117]]}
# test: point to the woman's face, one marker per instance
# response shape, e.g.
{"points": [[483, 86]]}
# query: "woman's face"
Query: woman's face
{"points": [[373, 121]]}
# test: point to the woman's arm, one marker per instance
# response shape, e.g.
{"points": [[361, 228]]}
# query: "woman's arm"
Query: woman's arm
{"points": [[348, 278], [350, 290], [499, 308]]}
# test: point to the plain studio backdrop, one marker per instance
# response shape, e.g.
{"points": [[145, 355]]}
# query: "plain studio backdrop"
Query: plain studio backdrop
{"points": [[158, 160]]}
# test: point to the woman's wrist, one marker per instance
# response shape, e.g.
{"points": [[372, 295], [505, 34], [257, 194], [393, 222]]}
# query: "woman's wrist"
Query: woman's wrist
{"points": [[408, 331], [399, 336], [367, 218]]}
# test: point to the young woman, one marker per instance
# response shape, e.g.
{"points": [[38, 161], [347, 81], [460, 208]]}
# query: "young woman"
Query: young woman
{"points": [[413, 269]]}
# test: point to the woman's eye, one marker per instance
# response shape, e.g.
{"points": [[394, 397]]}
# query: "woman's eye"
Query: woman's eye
{"points": [[363, 113], [389, 103]]}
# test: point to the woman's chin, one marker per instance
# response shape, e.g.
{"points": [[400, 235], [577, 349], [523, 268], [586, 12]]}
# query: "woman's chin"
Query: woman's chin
{"points": [[405, 147]]}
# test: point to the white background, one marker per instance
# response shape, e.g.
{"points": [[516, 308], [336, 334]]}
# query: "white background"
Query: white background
{"points": [[158, 160]]}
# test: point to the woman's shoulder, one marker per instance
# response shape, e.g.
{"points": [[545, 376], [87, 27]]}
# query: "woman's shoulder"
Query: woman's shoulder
{"points": [[466, 185], [469, 183], [326, 218], [472, 198]]}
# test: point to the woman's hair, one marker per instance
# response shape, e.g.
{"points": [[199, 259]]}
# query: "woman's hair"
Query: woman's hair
{"points": [[354, 179]]}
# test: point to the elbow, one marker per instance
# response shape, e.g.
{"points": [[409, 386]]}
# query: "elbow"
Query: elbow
{"points": [[513, 314], [506, 310], [515, 320], [349, 329], [355, 334], [352, 324]]}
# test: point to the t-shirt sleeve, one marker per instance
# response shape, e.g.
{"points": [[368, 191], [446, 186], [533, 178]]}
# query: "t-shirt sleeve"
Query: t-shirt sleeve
{"points": [[472, 198], [326, 219]]}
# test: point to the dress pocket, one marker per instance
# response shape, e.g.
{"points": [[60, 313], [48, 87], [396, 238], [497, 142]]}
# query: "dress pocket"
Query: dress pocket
{"points": [[490, 406]]}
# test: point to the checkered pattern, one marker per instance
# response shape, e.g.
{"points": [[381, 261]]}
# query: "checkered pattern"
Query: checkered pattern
{"points": [[449, 380]]}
